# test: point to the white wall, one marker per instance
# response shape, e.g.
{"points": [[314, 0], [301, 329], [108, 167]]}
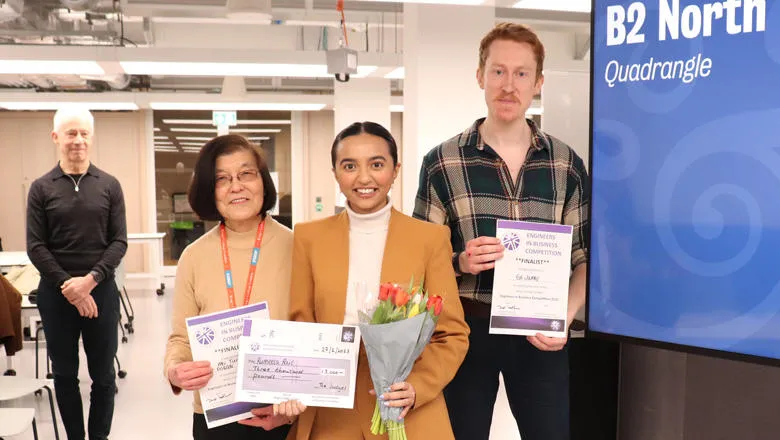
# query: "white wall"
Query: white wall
{"points": [[566, 103], [441, 94], [317, 176]]}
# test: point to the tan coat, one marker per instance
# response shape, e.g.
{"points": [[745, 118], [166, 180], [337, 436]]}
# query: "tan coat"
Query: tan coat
{"points": [[318, 294]]}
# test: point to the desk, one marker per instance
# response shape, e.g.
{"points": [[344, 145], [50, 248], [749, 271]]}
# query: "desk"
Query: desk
{"points": [[156, 272], [11, 259]]}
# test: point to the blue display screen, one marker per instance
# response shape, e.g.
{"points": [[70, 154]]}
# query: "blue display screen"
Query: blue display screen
{"points": [[685, 239]]}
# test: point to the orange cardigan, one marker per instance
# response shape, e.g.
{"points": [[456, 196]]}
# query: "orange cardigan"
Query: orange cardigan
{"points": [[318, 294]]}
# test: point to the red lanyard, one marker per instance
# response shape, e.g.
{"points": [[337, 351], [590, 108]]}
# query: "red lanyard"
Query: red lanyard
{"points": [[252, 264]]}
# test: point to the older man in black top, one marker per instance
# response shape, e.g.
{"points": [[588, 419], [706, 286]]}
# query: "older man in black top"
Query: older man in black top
{"points": [[76, 237]]}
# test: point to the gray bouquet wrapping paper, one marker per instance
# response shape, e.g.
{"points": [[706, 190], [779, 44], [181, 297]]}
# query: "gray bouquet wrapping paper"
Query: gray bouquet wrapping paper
{"points": [[392, 349]]}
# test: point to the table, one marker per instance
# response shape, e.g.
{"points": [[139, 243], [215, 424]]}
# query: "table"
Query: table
{"points": [[11, 259], [156, 272]]}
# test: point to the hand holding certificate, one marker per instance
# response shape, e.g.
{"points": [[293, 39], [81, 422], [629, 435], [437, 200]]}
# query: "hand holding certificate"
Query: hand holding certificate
{"points": [[214, 338], [315, 364], [531, 281]]}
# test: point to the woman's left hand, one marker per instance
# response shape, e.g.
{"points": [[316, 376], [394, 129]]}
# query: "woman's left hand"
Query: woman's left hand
{"points": [[401, 395]]}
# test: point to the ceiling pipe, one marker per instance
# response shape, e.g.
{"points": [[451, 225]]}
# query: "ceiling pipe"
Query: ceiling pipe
{"points": [[80, 5], [118, 81]]}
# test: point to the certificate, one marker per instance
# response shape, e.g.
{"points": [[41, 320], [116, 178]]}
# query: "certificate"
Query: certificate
{"points": [[214, 338], [286, 360], [531, 280]]}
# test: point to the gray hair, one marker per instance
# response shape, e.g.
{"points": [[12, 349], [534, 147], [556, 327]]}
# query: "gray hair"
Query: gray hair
{"points": [[67, 113]]}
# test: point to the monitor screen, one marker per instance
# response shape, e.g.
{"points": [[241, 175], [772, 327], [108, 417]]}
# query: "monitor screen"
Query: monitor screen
{"points": [[685, 162]]}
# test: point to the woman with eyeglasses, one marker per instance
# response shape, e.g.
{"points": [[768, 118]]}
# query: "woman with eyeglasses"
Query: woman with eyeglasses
{"points": [[232, 185]]}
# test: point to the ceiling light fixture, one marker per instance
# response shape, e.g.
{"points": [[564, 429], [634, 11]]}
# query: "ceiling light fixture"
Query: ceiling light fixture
{"points": [[43, 67], [398, 73], [440, 2], [558, 5], [232, 130], [240, 121], [234, 69], [35, 105], [236, 106]]}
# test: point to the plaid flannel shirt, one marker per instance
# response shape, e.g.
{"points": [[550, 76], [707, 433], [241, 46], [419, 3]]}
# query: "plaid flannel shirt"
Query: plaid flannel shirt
{"points": [[466, 185]]}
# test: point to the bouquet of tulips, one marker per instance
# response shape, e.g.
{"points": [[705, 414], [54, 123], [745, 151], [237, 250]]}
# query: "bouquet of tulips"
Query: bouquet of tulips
{"points": [[396, 327]]}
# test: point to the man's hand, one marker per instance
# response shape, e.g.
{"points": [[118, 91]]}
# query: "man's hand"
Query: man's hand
{"points": [[87, 307], [576, 301], [480, 255], [547, 343], [265, 418], [77, 288]]}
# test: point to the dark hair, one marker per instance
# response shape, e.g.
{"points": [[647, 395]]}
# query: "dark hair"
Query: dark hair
{"points": [[365, 127], [201, 193]]}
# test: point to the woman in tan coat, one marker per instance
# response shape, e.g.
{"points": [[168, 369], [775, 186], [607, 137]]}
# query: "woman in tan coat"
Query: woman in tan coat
{"points": [[372, 243], [231, 184]]}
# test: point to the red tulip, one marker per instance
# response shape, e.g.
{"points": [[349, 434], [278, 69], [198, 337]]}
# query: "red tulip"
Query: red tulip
{"points": [[392, 291], [401, 298], [384, 291], [439, 306], [435, 304]]}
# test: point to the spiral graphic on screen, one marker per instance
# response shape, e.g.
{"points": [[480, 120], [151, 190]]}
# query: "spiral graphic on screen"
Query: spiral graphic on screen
{"points": [[661, 102], [684, 156], [622, 165], [511, 241], [204, 336]]}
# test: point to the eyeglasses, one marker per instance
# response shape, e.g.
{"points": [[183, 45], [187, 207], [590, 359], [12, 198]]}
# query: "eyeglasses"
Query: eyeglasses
{"points": [[246, 176]]}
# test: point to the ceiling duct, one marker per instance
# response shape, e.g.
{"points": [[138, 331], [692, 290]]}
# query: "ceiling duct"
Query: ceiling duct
{"points": [[10, 10], [118, 81]]}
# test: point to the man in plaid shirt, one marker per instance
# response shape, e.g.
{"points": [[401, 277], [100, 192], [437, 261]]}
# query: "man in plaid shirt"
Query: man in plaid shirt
{"points": [[504, 167]]}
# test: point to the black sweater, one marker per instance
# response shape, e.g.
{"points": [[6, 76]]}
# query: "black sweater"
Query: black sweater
{"points": [[69, 232]]}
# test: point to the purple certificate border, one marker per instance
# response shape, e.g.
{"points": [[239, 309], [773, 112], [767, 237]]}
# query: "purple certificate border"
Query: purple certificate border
{"points": [[232, 410], [227, 314], [518, 323], [532, 226], [247, 327]]}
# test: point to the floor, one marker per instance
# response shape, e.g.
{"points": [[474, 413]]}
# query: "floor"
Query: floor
{"points": [[145, 408]]}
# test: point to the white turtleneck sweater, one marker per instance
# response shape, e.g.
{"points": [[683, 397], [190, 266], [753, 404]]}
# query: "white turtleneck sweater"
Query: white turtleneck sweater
{"points": [[367, 236]]}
